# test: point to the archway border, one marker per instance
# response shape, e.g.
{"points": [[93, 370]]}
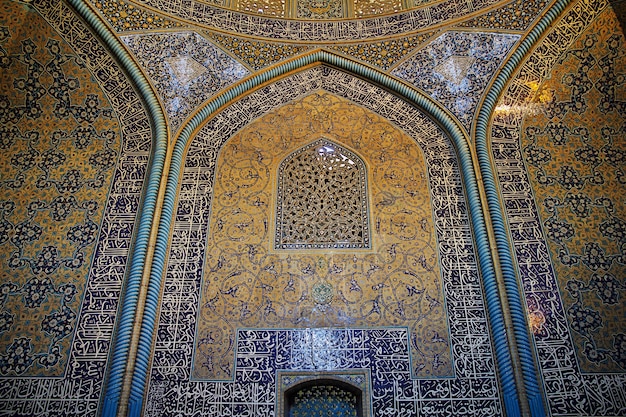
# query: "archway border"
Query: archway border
{"points": [[412, 96], [128, 311]]}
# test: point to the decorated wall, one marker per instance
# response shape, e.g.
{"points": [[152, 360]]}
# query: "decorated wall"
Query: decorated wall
{"points": [[272, 208]]}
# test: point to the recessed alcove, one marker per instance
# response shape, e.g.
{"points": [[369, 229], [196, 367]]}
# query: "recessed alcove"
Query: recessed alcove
{"points": [[321, 395]]}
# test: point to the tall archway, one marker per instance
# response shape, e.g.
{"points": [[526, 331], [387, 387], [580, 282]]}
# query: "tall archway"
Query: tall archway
{"points": [[451, 211]]}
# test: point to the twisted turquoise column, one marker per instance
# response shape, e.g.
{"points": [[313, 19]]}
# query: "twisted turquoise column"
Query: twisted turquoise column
{"points": [[126, 313], [505, 251], [420, 100]]}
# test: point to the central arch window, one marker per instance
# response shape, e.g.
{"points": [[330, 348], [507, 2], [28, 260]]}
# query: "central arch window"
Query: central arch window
{"points": [[322, 199]]}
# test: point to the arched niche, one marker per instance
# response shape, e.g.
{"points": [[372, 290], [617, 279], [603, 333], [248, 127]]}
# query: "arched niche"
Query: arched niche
{"points": [[262, 352], [319, 397]]}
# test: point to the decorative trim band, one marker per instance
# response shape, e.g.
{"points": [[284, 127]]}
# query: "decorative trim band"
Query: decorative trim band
{"points": [[240, 23], [119, 355], [498, 222]]}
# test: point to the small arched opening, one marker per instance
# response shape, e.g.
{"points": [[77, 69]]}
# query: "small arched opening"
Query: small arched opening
{"points": [[323, 398]]}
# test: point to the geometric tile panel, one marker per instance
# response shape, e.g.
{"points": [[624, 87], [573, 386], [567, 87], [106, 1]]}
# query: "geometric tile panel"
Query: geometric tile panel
{"points": [[259, 352], [555, 163], [78, 379], [455, 68], [325, 208], [185, 68]]}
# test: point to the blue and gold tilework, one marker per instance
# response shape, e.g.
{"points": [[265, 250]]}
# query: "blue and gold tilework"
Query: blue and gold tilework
{"points": [[77, 139], [60, 142], [557, 144], [186, 69], [258, 25], [194, 334], [256, 54], [128, 17], [455, 68], [574, 149], [321, 223], [515, 15]]}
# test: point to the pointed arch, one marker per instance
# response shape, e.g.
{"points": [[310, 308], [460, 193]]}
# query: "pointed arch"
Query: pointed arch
{"points": [[416, 98], [496, 211], [120, 354]]}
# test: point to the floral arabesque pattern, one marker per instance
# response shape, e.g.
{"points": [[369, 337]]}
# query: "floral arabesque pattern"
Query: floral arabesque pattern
{"points": [[516, 15], [578, 167], [256, 54], [59, 144], [205, 69], [124, 16], [249, 283], [321, 9], [261, 353]]}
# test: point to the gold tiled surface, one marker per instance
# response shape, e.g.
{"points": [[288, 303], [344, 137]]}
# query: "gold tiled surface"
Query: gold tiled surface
{"points": [[124, 16], [59, 143], [247, 284], [574, 148]]}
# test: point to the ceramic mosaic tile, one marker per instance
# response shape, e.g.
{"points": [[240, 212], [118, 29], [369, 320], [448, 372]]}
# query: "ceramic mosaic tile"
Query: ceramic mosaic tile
{"points": [[516, 15], [265, 270], [314, 350], [259, 54], [328, 30], [87, 171], [256, 54], [455, 68], [575, 168], [565, 226], [263, 7], [363, 8], [186, 68], [259, 352], [126, 17], [59, 149], [384, 54], [321, 9]]}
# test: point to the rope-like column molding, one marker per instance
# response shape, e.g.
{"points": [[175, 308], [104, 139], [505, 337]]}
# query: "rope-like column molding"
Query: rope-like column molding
{"points": [[119, 358], [504, 249], [437, 113]]}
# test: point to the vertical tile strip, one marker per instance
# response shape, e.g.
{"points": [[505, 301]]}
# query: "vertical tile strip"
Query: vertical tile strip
{"points": [[126, 316], [504, 248]]}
